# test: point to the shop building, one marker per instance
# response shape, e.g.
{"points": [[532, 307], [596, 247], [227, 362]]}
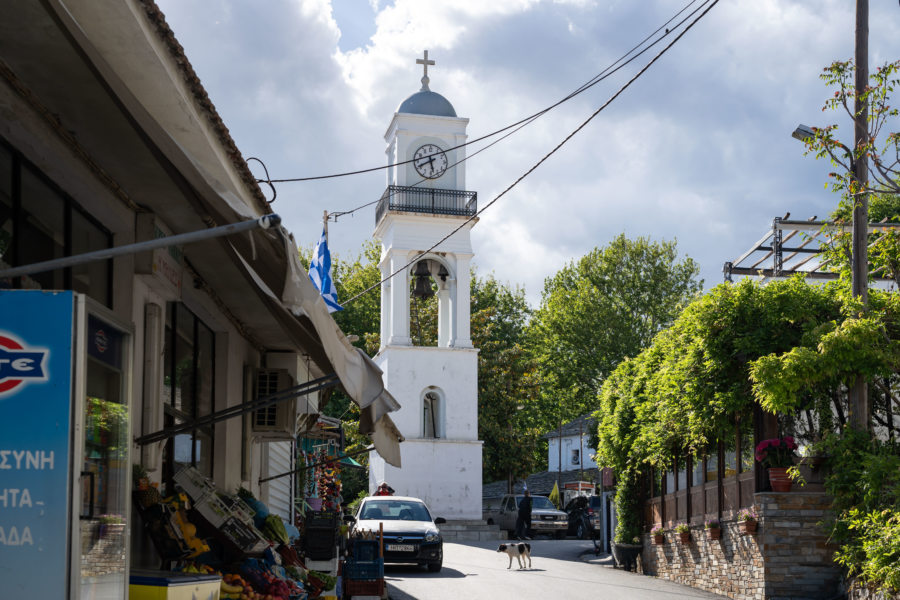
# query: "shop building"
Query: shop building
{"points": [[107, 139]]}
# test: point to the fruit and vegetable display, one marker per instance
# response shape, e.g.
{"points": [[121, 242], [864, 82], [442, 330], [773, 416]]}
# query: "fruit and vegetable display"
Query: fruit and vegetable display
{"points": [[275, 571]]}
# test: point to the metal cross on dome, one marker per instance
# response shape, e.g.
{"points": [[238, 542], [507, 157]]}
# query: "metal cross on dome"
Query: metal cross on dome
{"points": [[425, 62]]}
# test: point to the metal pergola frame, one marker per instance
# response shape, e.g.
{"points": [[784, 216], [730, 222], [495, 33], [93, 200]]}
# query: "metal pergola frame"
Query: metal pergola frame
{"points": [[792, 260]]}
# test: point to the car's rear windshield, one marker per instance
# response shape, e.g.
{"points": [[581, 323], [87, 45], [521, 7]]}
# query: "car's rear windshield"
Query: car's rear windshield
{"points": [[538, 503], [394, 510], [596, 501]]}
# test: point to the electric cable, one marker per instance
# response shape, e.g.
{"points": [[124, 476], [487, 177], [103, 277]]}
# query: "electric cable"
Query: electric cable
{"points": [[266, 180], [643, 70], [608, 71]]}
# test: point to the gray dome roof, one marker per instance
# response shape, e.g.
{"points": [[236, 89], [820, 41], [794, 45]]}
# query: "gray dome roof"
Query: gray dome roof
{"points": [[426, 102]]}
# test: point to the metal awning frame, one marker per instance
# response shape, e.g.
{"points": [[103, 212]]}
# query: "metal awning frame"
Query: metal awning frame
{"points": [[241, 409], [772, 244]]}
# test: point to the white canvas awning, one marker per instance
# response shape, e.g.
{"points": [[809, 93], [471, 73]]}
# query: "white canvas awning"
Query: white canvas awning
{"points": [[172, 151]]}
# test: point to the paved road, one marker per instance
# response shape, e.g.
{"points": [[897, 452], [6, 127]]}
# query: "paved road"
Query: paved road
{"points": [[475, 571]]}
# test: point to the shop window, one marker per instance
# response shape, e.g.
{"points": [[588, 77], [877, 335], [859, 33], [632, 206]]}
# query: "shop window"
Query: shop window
{"points": [[189, 391], [682, 474], [730, 462], [712, 466], [38, 222], [697, 473], [6, 207], [656, 483], [747, 447]]}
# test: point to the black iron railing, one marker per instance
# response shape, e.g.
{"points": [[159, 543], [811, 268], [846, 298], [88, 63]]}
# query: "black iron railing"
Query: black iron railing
{"points": [[427, 200]]}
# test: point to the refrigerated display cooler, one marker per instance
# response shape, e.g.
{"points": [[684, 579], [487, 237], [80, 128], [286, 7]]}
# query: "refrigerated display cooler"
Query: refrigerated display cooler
{"points": [[65, 369]]}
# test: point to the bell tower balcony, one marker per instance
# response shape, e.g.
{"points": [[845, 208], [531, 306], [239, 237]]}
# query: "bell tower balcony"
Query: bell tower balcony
{"points": [[426, 201]]}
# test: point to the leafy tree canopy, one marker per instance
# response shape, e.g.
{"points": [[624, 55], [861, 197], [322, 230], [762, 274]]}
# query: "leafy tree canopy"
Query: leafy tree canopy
{"points": [[600, 309]]}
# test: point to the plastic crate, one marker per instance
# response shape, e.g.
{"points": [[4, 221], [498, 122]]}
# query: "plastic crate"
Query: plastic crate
{"points": [[242, 511], [213, 510], [364, 550], [194, 483], [360, 571], [363, 588], [325, 519]]}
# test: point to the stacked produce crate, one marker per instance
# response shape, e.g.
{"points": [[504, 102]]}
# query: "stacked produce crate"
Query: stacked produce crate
{"points": [[320, 535], [364, 570], [233, 521]]}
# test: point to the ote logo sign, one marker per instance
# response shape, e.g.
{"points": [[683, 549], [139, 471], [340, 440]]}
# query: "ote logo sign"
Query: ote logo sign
{"points": [[19, 364]]}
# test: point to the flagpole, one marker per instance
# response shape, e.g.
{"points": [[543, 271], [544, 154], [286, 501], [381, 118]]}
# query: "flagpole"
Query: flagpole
{"points": [[325, 225]]}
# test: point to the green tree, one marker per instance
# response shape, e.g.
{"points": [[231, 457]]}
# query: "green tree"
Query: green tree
{"points": [[882, 151], [598, 310], [507, 380]]}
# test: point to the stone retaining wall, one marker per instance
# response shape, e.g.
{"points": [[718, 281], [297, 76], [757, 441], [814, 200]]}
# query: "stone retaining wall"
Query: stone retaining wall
{"points": [[787, 558], [861, 593]]}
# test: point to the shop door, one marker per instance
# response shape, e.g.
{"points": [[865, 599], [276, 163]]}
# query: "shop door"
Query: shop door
{"points": [[105, 471]]}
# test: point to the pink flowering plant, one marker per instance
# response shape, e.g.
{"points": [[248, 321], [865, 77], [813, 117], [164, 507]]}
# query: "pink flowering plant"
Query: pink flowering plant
{"points": [[748, 514], [657, 530], [713, 524], [777, 452]]}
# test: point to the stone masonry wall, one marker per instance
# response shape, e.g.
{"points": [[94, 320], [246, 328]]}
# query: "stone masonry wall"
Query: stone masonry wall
{"points": [[787, 558]]}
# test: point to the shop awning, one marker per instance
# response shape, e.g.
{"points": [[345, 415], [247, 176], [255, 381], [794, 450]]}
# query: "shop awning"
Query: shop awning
{"points": [[257, 276]]}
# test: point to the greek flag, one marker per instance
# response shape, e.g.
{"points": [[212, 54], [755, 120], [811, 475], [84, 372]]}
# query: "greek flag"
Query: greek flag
{"points": [[320, 274]]}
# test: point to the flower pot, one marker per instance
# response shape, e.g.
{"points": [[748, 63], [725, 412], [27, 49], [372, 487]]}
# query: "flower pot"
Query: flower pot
{"points": [[659, 539], [748, 527], [779, 479], [715, 533], [626, 555], [684, 537]]}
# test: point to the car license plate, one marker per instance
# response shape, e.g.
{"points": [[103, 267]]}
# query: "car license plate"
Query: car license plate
{"points": [[400, 547]]}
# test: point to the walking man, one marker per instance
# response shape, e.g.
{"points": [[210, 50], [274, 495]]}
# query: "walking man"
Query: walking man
{"points": [[523, 519]]}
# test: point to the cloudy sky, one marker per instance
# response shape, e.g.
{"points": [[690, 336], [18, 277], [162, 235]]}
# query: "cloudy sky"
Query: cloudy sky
{"points": [[698, 149]]}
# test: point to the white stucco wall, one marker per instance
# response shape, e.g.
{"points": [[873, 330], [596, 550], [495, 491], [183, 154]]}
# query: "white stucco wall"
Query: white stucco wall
{"points": [[569, 443], [409, 371], [446, 474]]}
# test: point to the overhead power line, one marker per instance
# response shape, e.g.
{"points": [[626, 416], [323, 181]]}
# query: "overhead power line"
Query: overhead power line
{"points": [[605, 73], [565, 140]]}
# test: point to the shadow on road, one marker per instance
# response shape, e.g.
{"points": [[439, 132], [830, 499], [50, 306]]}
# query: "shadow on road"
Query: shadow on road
{"points": [[414, 572]]}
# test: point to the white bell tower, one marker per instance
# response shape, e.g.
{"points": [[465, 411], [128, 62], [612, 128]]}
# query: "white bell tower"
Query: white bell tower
{"points": [[436, 386]]}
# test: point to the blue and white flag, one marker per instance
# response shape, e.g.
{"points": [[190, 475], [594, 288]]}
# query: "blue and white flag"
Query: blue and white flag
{"points": [[320, 274]]}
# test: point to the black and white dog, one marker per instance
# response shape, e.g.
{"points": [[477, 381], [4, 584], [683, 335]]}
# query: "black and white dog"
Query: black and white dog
{"points": [[520, 551]]}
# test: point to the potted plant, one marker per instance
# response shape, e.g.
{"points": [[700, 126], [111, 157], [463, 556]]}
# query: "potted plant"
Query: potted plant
{"points": [[658, 534], [748, 520], [777, 454], [714, 529], [625, 554], [684, 532]]}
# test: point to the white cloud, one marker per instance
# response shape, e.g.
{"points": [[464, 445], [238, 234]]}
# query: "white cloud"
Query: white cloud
{"points": [[698, 149]]}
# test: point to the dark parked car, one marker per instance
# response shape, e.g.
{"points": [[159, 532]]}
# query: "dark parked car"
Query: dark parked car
{"points": [[410, 534], [584, 516]]}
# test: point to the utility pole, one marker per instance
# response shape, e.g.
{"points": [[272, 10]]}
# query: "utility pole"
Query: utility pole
{"points": [[859, 397]]}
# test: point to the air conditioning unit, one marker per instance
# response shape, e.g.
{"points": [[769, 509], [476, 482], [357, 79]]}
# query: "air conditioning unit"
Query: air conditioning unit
{"points": [[276, 421]]}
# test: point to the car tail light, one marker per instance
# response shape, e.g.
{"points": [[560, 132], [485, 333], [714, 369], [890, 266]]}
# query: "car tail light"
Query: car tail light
{"points": [[590, 512]]}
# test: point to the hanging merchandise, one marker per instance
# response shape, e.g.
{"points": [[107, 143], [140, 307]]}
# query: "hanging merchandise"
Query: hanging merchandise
{"points": [[328, 482]]}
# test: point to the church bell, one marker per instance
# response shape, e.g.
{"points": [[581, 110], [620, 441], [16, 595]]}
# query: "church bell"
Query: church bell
{"points": [[422, 289]]}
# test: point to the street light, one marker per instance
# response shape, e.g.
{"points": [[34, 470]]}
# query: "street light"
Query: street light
{"points": [[859, 260], [803, 133]]}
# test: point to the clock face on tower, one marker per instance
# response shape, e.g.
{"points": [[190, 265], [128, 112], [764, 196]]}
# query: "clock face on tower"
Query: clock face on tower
{"points": [[430, 161]]}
